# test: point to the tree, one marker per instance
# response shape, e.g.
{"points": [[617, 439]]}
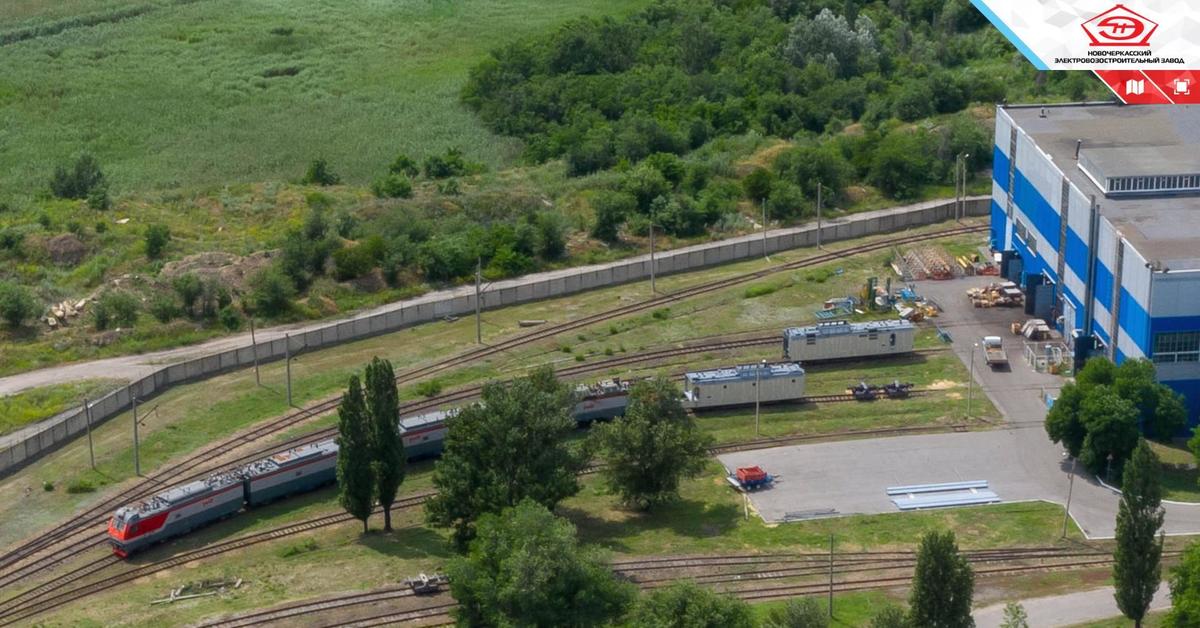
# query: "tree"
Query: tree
{"points": [[1161, 413], [1185, 590], [890, 617], [355, 482], [611, 209], [1015, 616], [1111, 424], [271, 291], [387, 448], [157, 238], [803, 612], [78, 181], [757, 184], [902, 163], [686, 605], [1137, 560], [943, 585], [526, 568], [653, 447], [509, 447], [1064, 424], [828, 39], [17, 304], [786, 200], [319, 173]]}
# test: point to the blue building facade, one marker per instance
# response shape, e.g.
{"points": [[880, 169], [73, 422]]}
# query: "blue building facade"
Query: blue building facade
{"points": [[1096, 212]]}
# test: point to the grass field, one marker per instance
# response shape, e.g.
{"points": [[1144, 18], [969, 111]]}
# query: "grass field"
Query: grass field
{"points": [[215, 92], [33, 405]]}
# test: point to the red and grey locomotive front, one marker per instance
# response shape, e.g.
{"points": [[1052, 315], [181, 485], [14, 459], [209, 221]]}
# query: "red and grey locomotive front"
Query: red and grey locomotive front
{"points": [[174, 512]]}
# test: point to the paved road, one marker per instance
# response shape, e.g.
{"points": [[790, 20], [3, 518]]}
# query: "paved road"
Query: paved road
{"points": [[1018, 460], [1068, 609]]}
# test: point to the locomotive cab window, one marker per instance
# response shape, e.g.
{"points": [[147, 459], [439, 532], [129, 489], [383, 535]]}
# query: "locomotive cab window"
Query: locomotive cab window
{"points": [[892, 340]]}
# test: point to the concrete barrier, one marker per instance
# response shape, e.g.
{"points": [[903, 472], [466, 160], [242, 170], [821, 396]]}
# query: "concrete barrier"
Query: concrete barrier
{"points": [[34, 441]]}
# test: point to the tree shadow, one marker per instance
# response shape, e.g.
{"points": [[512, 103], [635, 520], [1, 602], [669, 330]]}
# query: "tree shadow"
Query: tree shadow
{"points": [[691, 518], [411, 542]]}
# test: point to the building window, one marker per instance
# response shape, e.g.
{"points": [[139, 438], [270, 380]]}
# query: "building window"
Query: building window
{"points": [[1183, 346]]}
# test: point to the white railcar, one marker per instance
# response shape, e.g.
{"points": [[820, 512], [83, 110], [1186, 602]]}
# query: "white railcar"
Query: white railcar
{"points": [[837, 340], [735, 386]]}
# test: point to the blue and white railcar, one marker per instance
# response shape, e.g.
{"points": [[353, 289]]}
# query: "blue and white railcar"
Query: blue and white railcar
{"points": [[297, 470], [736, 386], [839, 340], [424, 435]]}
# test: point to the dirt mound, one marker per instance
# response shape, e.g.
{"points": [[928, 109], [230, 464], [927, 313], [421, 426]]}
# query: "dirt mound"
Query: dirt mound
{"points": [[66, 249], [234, 271]]}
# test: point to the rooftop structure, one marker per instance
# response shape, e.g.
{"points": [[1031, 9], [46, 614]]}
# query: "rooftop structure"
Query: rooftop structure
{"points": [[743, 372], [841, 328], [1141, 163]]}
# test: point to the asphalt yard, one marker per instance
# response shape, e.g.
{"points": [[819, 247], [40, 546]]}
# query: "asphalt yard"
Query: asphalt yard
{"points": [[1017, 459]]}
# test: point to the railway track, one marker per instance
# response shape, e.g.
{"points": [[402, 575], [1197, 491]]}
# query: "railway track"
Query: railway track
{"points": [[853, 564], [179, 470], [50, 595]]}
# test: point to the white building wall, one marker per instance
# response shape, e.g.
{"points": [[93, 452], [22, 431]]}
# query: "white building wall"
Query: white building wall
{"points": [[1175, 294], [1004, 127]]}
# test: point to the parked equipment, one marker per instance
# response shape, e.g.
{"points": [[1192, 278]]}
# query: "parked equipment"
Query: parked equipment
{"points": [[751, 478], [426, 585], [601, 402], [863, 391], [838, 340], [736, 386], [1002, 294], [993, 352]]}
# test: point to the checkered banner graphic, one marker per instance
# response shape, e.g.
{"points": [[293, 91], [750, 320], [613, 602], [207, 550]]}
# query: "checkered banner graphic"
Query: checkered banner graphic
{"points": [[1146, 51]]}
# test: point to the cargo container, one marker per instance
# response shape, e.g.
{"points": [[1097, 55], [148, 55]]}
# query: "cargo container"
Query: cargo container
{"points": [[736, 386], [839, 340]]}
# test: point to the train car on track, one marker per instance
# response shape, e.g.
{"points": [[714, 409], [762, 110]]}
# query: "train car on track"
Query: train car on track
{"points": [[735, 386], [175, 511], [839, 340], [288, 472], [424, 435], [601, 402]]}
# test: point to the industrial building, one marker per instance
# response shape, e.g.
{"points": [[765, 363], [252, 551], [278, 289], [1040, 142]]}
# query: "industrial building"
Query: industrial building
{"points": [[1096, 213]]}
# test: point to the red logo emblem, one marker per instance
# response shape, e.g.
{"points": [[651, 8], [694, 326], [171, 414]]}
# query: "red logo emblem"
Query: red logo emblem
{"points": [[1120, 26]]}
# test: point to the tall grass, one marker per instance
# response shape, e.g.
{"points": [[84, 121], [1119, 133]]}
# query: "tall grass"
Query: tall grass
{"points": [[222, 91], [33, 405]]}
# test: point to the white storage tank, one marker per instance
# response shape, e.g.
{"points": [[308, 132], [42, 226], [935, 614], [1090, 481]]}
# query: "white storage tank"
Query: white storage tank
{"points": [[735, 386], [837, 340]]}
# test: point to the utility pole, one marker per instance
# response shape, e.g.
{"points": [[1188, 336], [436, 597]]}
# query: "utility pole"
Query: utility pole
{"points": [[287, 364], [757, 394], [971, 380], [653, 289], [137, 461], [1070, 490], [254, 344], [478, 289], [87, 417], [831, 575], [764, 208], [818, 214]]}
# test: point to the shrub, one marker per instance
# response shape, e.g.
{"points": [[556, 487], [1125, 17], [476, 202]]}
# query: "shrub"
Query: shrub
{"points": [[429, 388], [17, 304], [10, 240], [757, 184], [157, 238], [296, 549], [115, 308], [271, 291], [319, 173], [450, 187], [611, 209], [188, 287], [98, 199], [101, 226], [404, 165], [78, 181], [449, 165], [45, 221], [230, 318], [353, 262], [662, 314], [758, 290], [81, 486], [47, 486], [163, 308], [393, 186]]}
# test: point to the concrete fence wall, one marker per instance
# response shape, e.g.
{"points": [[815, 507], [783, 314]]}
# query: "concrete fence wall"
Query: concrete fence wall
{"points": [[54, 432]]}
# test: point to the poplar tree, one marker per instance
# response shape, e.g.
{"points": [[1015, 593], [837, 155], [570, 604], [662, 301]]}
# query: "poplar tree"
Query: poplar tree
{"points": [[355, 484], [943, 585], [1137, 562], [387, 449]]}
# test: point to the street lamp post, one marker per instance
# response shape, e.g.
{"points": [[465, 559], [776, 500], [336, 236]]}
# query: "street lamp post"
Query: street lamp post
{"points": [[764, 225], [971, 379], [137, 460], [1070, 491], [818, 214], [287, 365], [758, 395]]}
